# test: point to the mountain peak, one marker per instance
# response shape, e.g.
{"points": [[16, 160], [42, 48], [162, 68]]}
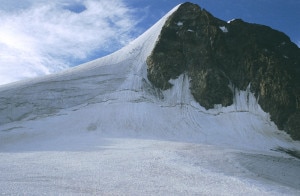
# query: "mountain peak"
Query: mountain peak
{"points": [[225, 64], [106, 124], [221, 57]]}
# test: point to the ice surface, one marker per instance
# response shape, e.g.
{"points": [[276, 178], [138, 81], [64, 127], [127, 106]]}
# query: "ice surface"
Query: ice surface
{"points": [[179, 23], [103, 129], [224, 29]]}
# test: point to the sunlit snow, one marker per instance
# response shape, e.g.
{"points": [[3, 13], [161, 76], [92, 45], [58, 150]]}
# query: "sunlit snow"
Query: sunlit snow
{"points": [[103, 129], [229, 21]]}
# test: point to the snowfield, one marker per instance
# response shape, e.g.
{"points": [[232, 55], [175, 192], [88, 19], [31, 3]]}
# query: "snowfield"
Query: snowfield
{"points": [[102, 129], [143, 167]]}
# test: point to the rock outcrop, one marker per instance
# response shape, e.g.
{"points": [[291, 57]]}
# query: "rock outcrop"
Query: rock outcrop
{"points": [[216, 54]]}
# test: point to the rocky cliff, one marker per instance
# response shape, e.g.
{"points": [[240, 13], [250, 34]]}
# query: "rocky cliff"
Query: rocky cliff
{"points": [[218, 55]]}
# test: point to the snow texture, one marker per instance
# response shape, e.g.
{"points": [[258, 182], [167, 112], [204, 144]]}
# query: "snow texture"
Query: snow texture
{"points": [[179, 23], [224, 29], [103, 129]]}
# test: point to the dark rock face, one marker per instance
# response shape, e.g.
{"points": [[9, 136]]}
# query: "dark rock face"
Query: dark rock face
{"points": [[215, 54]]}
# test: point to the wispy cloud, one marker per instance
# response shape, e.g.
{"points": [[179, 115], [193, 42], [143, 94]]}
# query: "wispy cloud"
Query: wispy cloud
{"points": [[47, 36]]}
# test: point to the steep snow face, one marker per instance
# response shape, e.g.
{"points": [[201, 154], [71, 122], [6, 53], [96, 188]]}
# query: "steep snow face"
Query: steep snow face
{"points": [[102, 128], [81, 85]]}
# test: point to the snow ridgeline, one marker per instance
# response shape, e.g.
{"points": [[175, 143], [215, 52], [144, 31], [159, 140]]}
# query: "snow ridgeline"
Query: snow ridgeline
{"points": [[83, 84]]}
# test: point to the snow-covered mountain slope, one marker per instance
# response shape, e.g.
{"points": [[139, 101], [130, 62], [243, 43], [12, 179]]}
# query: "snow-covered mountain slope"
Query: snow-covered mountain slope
{"points": [[102, 128]]}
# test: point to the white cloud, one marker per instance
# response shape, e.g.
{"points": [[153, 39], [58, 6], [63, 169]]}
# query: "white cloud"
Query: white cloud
{"points": [[47, 36]]}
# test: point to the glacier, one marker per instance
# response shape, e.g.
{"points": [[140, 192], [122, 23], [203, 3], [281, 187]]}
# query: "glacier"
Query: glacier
{"points": [[102, 129]]}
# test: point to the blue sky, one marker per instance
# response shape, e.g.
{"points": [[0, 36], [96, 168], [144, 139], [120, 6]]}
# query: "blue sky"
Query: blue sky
{"points": [[39, 37], [283, 15]]}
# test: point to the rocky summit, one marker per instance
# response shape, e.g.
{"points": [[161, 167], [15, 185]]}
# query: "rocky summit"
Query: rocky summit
{"points": [[220, 57]]}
